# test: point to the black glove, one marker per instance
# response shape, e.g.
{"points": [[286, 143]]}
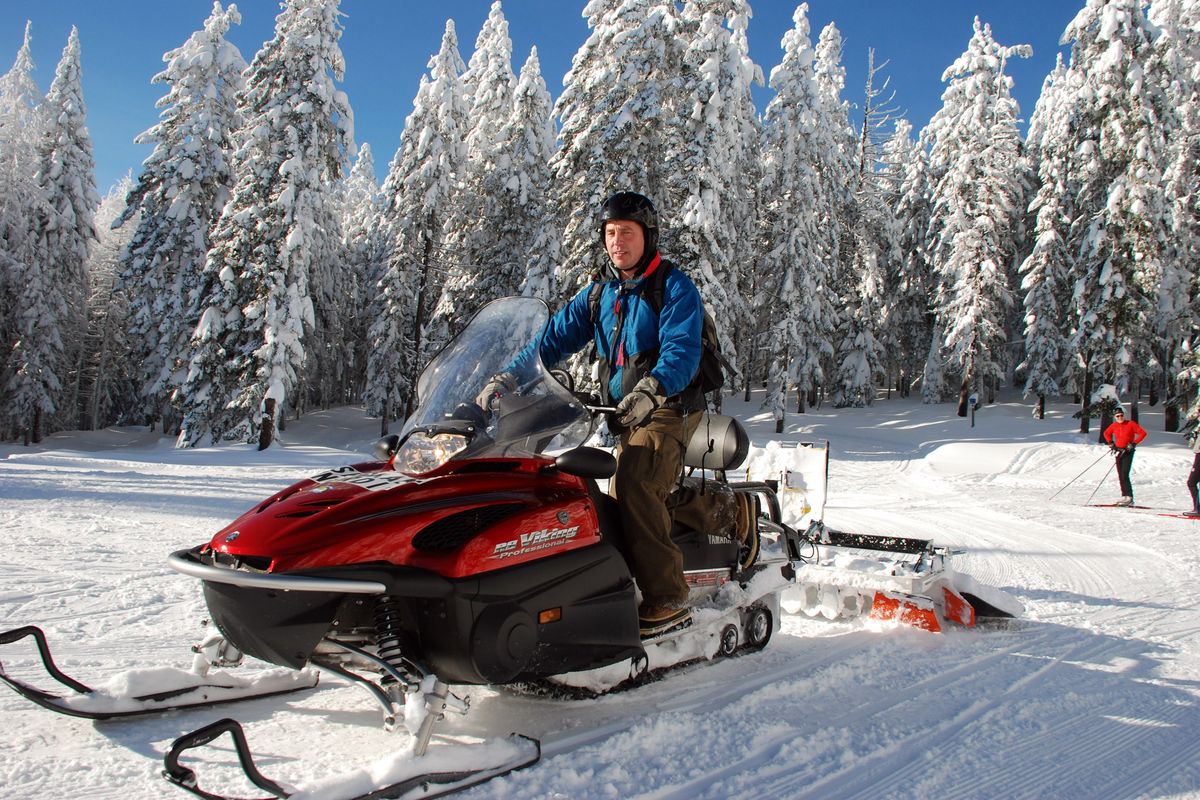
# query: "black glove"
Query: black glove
{"points": [[639, 404]]}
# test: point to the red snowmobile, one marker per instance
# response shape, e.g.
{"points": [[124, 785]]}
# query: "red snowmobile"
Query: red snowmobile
{"points": [[467, 550]]}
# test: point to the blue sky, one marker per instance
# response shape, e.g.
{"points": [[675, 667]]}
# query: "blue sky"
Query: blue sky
{"points": [[387, 44]]}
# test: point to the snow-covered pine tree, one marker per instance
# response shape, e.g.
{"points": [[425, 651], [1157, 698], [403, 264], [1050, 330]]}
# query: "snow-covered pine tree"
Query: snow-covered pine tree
{"points": [[183, 186], [52, 294], [977, 205], [19, 193], [794, 288], [1048, 266], [110, 381], [881, 230], [530, 137], [418, 196], [906, 194], [717, 125], [1177, 65], [360, 206], [487, 254], [617, 101], [1119, 229], [742, 208], [488, 83], [275, 235], [857, 358], [870, 244]]}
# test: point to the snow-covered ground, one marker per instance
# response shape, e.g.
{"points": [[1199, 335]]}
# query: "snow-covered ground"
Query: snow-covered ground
{"points": [[1094, 693]]}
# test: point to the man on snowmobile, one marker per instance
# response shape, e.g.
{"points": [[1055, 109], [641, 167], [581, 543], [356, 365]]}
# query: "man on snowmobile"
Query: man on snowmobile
{"points": [[648, 368]]}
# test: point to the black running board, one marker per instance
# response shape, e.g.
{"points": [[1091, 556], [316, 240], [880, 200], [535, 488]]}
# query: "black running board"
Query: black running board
{"points": [[427, 785], [194, 695]]}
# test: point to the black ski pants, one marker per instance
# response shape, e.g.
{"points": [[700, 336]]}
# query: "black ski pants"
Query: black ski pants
{"points": [[1193, 483], [1124, 464]]}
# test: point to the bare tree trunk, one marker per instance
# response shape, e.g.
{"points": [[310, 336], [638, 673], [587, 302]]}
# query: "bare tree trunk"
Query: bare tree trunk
{"points": [[1170, 417], [1084, 421], [419, 322], [1171, 407], [266, 431]]}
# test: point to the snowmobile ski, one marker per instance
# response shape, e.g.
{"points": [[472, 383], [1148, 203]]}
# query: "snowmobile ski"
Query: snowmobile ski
{"points": [[526, 751], [193, 691]]}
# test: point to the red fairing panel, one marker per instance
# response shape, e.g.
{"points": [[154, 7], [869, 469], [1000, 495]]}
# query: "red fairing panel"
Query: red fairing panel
{"points": [[489, 519]]}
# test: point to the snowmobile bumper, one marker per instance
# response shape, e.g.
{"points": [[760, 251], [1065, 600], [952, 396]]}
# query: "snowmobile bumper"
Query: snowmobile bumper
{"points": [[189, 562]]}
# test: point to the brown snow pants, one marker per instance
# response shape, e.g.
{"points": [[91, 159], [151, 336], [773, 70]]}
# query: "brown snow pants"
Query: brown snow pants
{"points": [[649, 461]]}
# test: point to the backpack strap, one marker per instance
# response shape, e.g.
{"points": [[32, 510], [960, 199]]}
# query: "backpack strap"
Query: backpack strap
{"points": [[655, 286], [652, 291]]}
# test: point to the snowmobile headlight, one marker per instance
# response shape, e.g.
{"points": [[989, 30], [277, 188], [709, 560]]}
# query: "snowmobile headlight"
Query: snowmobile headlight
{"points": [[422, 452]]}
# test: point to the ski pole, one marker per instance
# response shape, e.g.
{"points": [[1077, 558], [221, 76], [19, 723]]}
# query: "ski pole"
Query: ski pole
{"points": [[1098, 485], [1077, 477]]}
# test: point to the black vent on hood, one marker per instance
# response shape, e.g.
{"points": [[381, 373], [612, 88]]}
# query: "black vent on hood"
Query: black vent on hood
{"points": [[310, 507], [452, 532], [487, 466]]}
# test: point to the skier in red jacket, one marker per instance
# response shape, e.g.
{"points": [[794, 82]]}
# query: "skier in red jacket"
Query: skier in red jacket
{"points": [[1124, 436]]}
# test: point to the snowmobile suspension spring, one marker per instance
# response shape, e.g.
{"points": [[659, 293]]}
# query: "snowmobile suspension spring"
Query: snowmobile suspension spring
{"points": [[389, 631]]}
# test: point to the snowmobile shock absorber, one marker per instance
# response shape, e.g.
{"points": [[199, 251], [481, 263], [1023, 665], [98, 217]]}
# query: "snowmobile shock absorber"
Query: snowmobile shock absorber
{"points": [[389, 634]]}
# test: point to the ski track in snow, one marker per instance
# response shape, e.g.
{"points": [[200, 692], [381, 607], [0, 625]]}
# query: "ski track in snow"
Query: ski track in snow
{"points": [[1093, 693]]}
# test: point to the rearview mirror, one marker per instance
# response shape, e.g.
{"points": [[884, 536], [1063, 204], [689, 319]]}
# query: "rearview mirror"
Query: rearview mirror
{"points": [[385, 448], [587, 462]]}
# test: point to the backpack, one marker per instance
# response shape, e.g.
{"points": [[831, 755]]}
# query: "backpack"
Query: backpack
{"points": [[710, 375]]}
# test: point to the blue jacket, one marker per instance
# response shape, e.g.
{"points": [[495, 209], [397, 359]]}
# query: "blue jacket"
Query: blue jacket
{"points": [[665, 345]]}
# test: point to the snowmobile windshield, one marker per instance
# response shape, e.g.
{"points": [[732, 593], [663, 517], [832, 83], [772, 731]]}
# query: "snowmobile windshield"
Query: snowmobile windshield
{"points": [[535, 413]]}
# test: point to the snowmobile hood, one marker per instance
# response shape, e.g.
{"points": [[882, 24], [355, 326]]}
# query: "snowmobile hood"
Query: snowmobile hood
{"points": [[462, 519]]}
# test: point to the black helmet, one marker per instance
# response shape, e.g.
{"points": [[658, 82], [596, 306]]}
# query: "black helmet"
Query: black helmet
{"points": [[637, 208]]}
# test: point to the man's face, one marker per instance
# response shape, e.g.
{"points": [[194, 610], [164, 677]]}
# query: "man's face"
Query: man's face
{"points": [[625, 243], [1119, 416]]}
